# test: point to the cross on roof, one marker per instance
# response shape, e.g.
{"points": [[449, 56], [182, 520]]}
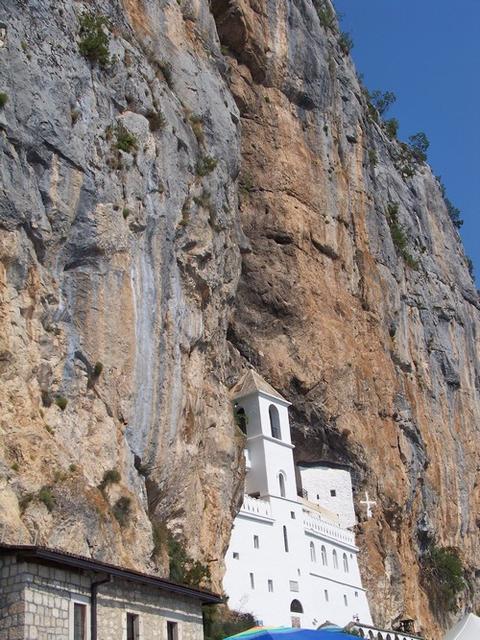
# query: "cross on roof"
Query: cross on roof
{"points": [[369, 504]]}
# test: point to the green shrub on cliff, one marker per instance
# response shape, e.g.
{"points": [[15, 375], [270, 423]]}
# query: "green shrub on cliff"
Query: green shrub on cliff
{"points": [[126, 141], [94, 38], [419, 144], [325, 13], [122, 510], [399, 236], [45, 495], [345, 42], [443, 573], [391, 128], [219, 622], [184, 569], [381, 100], [112, 476]]}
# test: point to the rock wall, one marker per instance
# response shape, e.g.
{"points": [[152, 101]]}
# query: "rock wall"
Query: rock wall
{"points": [[244, 220], [126, 258], [380, 359]]}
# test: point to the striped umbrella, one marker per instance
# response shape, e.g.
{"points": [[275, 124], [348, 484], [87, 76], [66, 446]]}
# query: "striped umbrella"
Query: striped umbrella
{"points": [[330, 632]]}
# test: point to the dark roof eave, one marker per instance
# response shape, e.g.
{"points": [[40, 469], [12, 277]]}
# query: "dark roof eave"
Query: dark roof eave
{"points": [[30, 552]]}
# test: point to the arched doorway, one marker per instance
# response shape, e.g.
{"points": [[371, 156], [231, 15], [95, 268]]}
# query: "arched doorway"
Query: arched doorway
{"points": [[296, 610]]}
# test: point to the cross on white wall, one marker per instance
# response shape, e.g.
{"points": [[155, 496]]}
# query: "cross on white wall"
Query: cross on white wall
{"points": [[369, 504]]}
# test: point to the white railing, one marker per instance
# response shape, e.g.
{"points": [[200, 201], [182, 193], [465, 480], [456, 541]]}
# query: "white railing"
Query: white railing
{"points": [[317, 525], [256, 506], [372, 633]]}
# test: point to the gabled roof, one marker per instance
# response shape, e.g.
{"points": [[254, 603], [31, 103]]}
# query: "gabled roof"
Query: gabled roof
{"points": [[43, 555], [252, 382], [466, 629]]}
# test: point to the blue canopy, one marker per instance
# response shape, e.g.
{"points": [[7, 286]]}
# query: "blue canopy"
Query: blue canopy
{"points": [[330, 632]]}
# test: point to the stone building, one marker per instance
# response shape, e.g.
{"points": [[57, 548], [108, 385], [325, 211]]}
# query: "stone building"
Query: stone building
{"points": [[52, 595]]}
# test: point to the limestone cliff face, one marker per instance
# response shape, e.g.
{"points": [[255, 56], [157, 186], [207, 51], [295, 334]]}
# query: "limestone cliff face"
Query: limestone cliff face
{"points": [[127, 258], [247, 226]]}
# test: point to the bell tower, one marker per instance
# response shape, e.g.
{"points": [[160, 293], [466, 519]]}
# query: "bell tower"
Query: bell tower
{"points": [[269, 446]]}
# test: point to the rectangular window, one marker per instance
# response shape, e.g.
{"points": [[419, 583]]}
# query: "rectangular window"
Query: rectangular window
{"points": [[293, 585], [345, 600], [333, 493], [79, 621], [256, 542], [252, 581], [356, 594], [133, 632], [172, 630], [325, 593], [236, 555], [292, 515], [270, 586]]}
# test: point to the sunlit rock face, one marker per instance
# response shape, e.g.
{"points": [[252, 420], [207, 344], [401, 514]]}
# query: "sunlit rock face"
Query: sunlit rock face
{"points": [[125, 257], [217, 197]]}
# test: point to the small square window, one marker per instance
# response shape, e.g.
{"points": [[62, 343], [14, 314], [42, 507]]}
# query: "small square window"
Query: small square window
{"points": [[256, 542], [236, 555], [293, 585], [333, 493], [270, 586], [133, 632], [292, 515]]}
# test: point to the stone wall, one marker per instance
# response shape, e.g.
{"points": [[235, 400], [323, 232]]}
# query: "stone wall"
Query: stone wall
{"points": [[12, 605], [36, 603], [153, 607]]}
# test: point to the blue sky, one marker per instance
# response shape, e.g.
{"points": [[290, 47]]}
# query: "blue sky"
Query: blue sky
{"points": [[428, 53]]}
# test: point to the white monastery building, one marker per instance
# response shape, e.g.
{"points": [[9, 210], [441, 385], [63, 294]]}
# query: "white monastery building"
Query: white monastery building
{"points": [[292, 560]]}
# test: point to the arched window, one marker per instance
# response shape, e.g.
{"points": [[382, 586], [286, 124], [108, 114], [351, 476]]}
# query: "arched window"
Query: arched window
{"points": [[335, 559], [274, 422], [240, 418], [324, 556], [285, 538], [296, 607], [345, 563], [281, 483], [361, 633], [313, 553]]}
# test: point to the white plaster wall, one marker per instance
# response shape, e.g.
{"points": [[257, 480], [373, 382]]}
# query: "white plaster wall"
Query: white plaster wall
{"points": [[271, 561], [293, 573], [268, 456], [319, 481]]}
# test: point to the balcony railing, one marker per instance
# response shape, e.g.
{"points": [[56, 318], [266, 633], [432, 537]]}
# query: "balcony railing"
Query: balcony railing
{"points": [[256, 506], [372, 633], [317, 525]]}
